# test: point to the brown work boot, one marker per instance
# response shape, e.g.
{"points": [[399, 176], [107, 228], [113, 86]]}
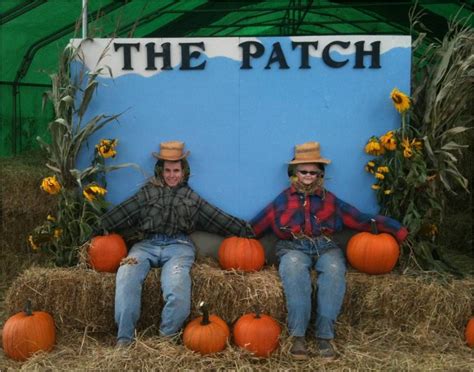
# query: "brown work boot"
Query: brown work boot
{"points": [[298, 350], [326, 350]]}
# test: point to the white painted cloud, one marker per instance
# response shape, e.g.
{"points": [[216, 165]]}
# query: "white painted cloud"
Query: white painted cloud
{"points": [[214, 47]]}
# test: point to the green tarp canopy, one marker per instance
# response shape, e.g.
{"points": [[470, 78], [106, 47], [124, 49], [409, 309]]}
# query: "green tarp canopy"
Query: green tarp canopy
{"points": [[33, 33]]}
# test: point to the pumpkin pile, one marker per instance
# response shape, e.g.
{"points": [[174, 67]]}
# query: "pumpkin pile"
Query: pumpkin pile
{"points": [[255, 332], [28, 332], [373, 253], [241, 254]]}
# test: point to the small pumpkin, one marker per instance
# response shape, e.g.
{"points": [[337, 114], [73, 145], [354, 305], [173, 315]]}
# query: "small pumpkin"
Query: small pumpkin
{"points": [[206, 334], [105, 252], [257, 333], [373, 253], [469, 332], [241, 254], [27, 332]]}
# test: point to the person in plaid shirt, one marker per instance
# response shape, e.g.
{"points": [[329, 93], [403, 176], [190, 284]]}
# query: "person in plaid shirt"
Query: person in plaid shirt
{"points": [[165, 211], [303, 217]]}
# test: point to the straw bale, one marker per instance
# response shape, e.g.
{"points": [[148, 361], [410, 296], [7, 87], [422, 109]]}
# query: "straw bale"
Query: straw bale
{"points": [[388, 352], [82, 298], [23, 204]]}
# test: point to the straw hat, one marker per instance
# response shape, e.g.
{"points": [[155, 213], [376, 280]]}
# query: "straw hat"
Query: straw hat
{"points": [[308, 152], [171, 151]]}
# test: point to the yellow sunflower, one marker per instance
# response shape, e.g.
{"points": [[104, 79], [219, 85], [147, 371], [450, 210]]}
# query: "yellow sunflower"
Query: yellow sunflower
{"points": [[388, 192], [375, 186], [33, 245], [407, 149], [389, 141], [106, 148], [57, 233], [51, 185], [417, 144], [92, 191], [400, 100], [379, 176], [373, 147], [370, 167], [383, 169]]}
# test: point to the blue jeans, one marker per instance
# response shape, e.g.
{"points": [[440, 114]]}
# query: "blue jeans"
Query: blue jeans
{"points": [[175, 255], [297, 258]]}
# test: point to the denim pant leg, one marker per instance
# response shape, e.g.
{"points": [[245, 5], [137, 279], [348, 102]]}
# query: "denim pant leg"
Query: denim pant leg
{"points": [[294, 272], [177, 260], [331, 268], [128, 288]]}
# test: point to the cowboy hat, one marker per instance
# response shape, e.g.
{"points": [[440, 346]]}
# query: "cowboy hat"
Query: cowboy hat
{"points": [[171, 151], [308, 152]]}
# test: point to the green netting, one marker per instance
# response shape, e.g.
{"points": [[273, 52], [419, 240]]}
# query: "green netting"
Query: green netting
{"points": [[34, 32]]}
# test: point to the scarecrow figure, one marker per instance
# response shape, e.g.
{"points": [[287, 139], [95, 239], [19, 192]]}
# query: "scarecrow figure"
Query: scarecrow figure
{"points": [[166, 210], [303, 217]]}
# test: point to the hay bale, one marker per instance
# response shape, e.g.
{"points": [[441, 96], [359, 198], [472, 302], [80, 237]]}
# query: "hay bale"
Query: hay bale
{"points": [[23, 205], [81, 298]]}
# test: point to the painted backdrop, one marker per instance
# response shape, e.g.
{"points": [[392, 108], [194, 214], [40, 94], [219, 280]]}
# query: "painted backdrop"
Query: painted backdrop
{"points": [[241, 104]]}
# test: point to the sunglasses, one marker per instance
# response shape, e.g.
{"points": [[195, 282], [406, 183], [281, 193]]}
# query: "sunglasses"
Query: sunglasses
{"points": [[312, 173]]}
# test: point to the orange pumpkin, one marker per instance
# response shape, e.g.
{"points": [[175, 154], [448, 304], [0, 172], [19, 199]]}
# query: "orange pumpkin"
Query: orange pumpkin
{"points": [[27, 332], [241, 254], [258, 333], [106, 252], [469, 333], [373, 253], [206, 334]]}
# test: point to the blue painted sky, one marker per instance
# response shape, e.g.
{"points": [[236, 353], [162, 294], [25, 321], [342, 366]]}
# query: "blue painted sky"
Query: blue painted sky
{"points": [[241, 125]]}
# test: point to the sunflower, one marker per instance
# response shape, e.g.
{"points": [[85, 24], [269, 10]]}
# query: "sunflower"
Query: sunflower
{"points": [[407, 149], [369, 167], [373, 147], [417, 144], [33, 245], [389, 141], [50, 218], [375, 186], [57, 233], [106, 148], [400, 100], [388, 192], [383, 169], [379, 176], [92, 191], [50, 185]]}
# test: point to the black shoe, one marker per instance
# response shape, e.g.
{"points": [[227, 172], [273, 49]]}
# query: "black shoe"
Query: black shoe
{"points": [[298, 350], [326, 350]]}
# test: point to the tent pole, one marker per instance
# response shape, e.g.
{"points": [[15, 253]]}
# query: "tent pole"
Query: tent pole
{"points": [[84, 19]]}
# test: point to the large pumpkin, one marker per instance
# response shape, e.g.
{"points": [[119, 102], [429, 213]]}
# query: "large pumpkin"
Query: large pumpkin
{"points": [[206, 334], [373, 253], [258, 333], [469, 333], [27, 332], [241, 254], [105, 252]]}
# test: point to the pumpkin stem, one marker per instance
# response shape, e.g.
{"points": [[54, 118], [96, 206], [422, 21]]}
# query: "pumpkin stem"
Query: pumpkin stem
{"points": [[373, 226], [257, 312], [205, 313], [28, 311]]}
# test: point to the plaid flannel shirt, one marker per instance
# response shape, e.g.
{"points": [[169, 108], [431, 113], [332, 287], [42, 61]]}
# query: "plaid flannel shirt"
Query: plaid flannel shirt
{"points": [[170, 211], [292, 214]]}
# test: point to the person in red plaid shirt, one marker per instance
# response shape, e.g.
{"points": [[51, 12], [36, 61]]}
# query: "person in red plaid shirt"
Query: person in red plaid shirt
{"points": [[304, 217]]}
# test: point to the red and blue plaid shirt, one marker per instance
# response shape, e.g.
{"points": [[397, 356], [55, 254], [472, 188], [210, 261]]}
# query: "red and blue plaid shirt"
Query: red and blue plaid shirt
{"points": [[292, 214]]}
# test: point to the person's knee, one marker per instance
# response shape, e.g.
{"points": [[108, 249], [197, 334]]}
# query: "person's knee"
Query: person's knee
{"points": [[293, 264]]}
